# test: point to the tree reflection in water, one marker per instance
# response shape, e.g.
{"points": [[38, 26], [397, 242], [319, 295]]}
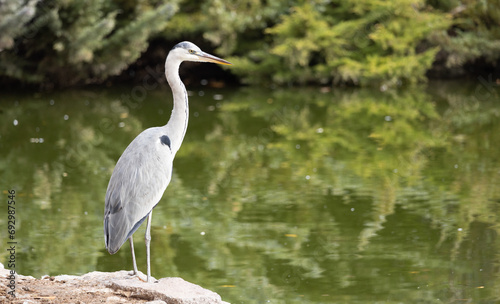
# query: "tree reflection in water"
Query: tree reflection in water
{"points": [[287, 196]]}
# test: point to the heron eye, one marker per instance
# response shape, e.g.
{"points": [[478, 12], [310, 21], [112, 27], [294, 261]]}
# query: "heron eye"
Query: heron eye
{"points": [[191, 51]]}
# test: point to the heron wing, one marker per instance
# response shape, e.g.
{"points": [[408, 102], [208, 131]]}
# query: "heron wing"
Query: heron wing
{"points": [[139, 179]]}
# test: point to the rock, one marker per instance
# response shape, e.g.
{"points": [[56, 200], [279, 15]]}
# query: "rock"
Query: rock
{"points": [[106, 287], [170, 290], [114, 300], [3, 272]]}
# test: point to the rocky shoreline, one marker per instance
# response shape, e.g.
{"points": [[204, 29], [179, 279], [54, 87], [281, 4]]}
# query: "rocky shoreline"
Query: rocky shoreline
{"points": [[103, 287]]}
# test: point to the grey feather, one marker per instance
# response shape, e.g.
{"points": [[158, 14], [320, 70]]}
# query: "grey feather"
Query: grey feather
{"points": [[144, 170], [134, 190]]}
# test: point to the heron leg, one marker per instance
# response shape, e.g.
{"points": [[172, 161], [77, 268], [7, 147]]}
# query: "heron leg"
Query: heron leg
{"points": [[147, 237], [133, 254]]}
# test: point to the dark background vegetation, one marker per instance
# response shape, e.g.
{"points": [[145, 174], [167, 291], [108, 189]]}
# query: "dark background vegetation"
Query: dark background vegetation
{"points": [[59, 43]]}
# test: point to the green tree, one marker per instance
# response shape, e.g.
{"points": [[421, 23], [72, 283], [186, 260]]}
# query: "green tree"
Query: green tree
{"points": [[359, 42], [474, 33], [366, 42], [68, 43]]}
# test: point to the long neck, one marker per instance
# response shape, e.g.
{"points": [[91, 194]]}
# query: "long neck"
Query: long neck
{"points": [[177, 125]]}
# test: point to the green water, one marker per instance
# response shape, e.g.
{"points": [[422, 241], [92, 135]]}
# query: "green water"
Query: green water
{"points": [[277, 196]]}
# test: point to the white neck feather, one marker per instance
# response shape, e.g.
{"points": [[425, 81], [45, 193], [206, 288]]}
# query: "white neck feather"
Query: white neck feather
{"points": [[177, 125]]}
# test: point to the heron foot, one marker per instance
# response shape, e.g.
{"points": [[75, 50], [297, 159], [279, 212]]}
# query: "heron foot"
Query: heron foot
{"points": [[132, 273], [139, 275]]}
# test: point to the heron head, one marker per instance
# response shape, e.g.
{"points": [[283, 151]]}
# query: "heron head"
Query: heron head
{"points": [[188, 51]]}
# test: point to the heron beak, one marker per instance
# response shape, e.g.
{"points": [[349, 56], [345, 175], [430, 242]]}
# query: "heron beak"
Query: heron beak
{"points": [[211, 58]]}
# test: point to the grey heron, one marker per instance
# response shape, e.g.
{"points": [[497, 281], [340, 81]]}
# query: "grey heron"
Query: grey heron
{"points": [[144, 170]]}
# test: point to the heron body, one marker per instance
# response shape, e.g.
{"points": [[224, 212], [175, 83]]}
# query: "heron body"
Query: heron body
{"points": [[144, 170]]}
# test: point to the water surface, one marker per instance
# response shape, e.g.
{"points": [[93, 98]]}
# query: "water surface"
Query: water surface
{"points": [[277, 196]]}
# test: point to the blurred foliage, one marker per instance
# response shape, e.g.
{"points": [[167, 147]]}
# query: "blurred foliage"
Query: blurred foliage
{"points": [[367, 42], [383, 43], [71, 42], [474, 33], [359, 42]]}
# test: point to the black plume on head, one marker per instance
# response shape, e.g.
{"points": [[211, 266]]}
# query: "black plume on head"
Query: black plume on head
{"points": [[184, 45]]}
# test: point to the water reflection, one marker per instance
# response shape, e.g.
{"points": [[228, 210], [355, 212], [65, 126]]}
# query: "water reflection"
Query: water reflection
{"points": [[283, 196]]}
